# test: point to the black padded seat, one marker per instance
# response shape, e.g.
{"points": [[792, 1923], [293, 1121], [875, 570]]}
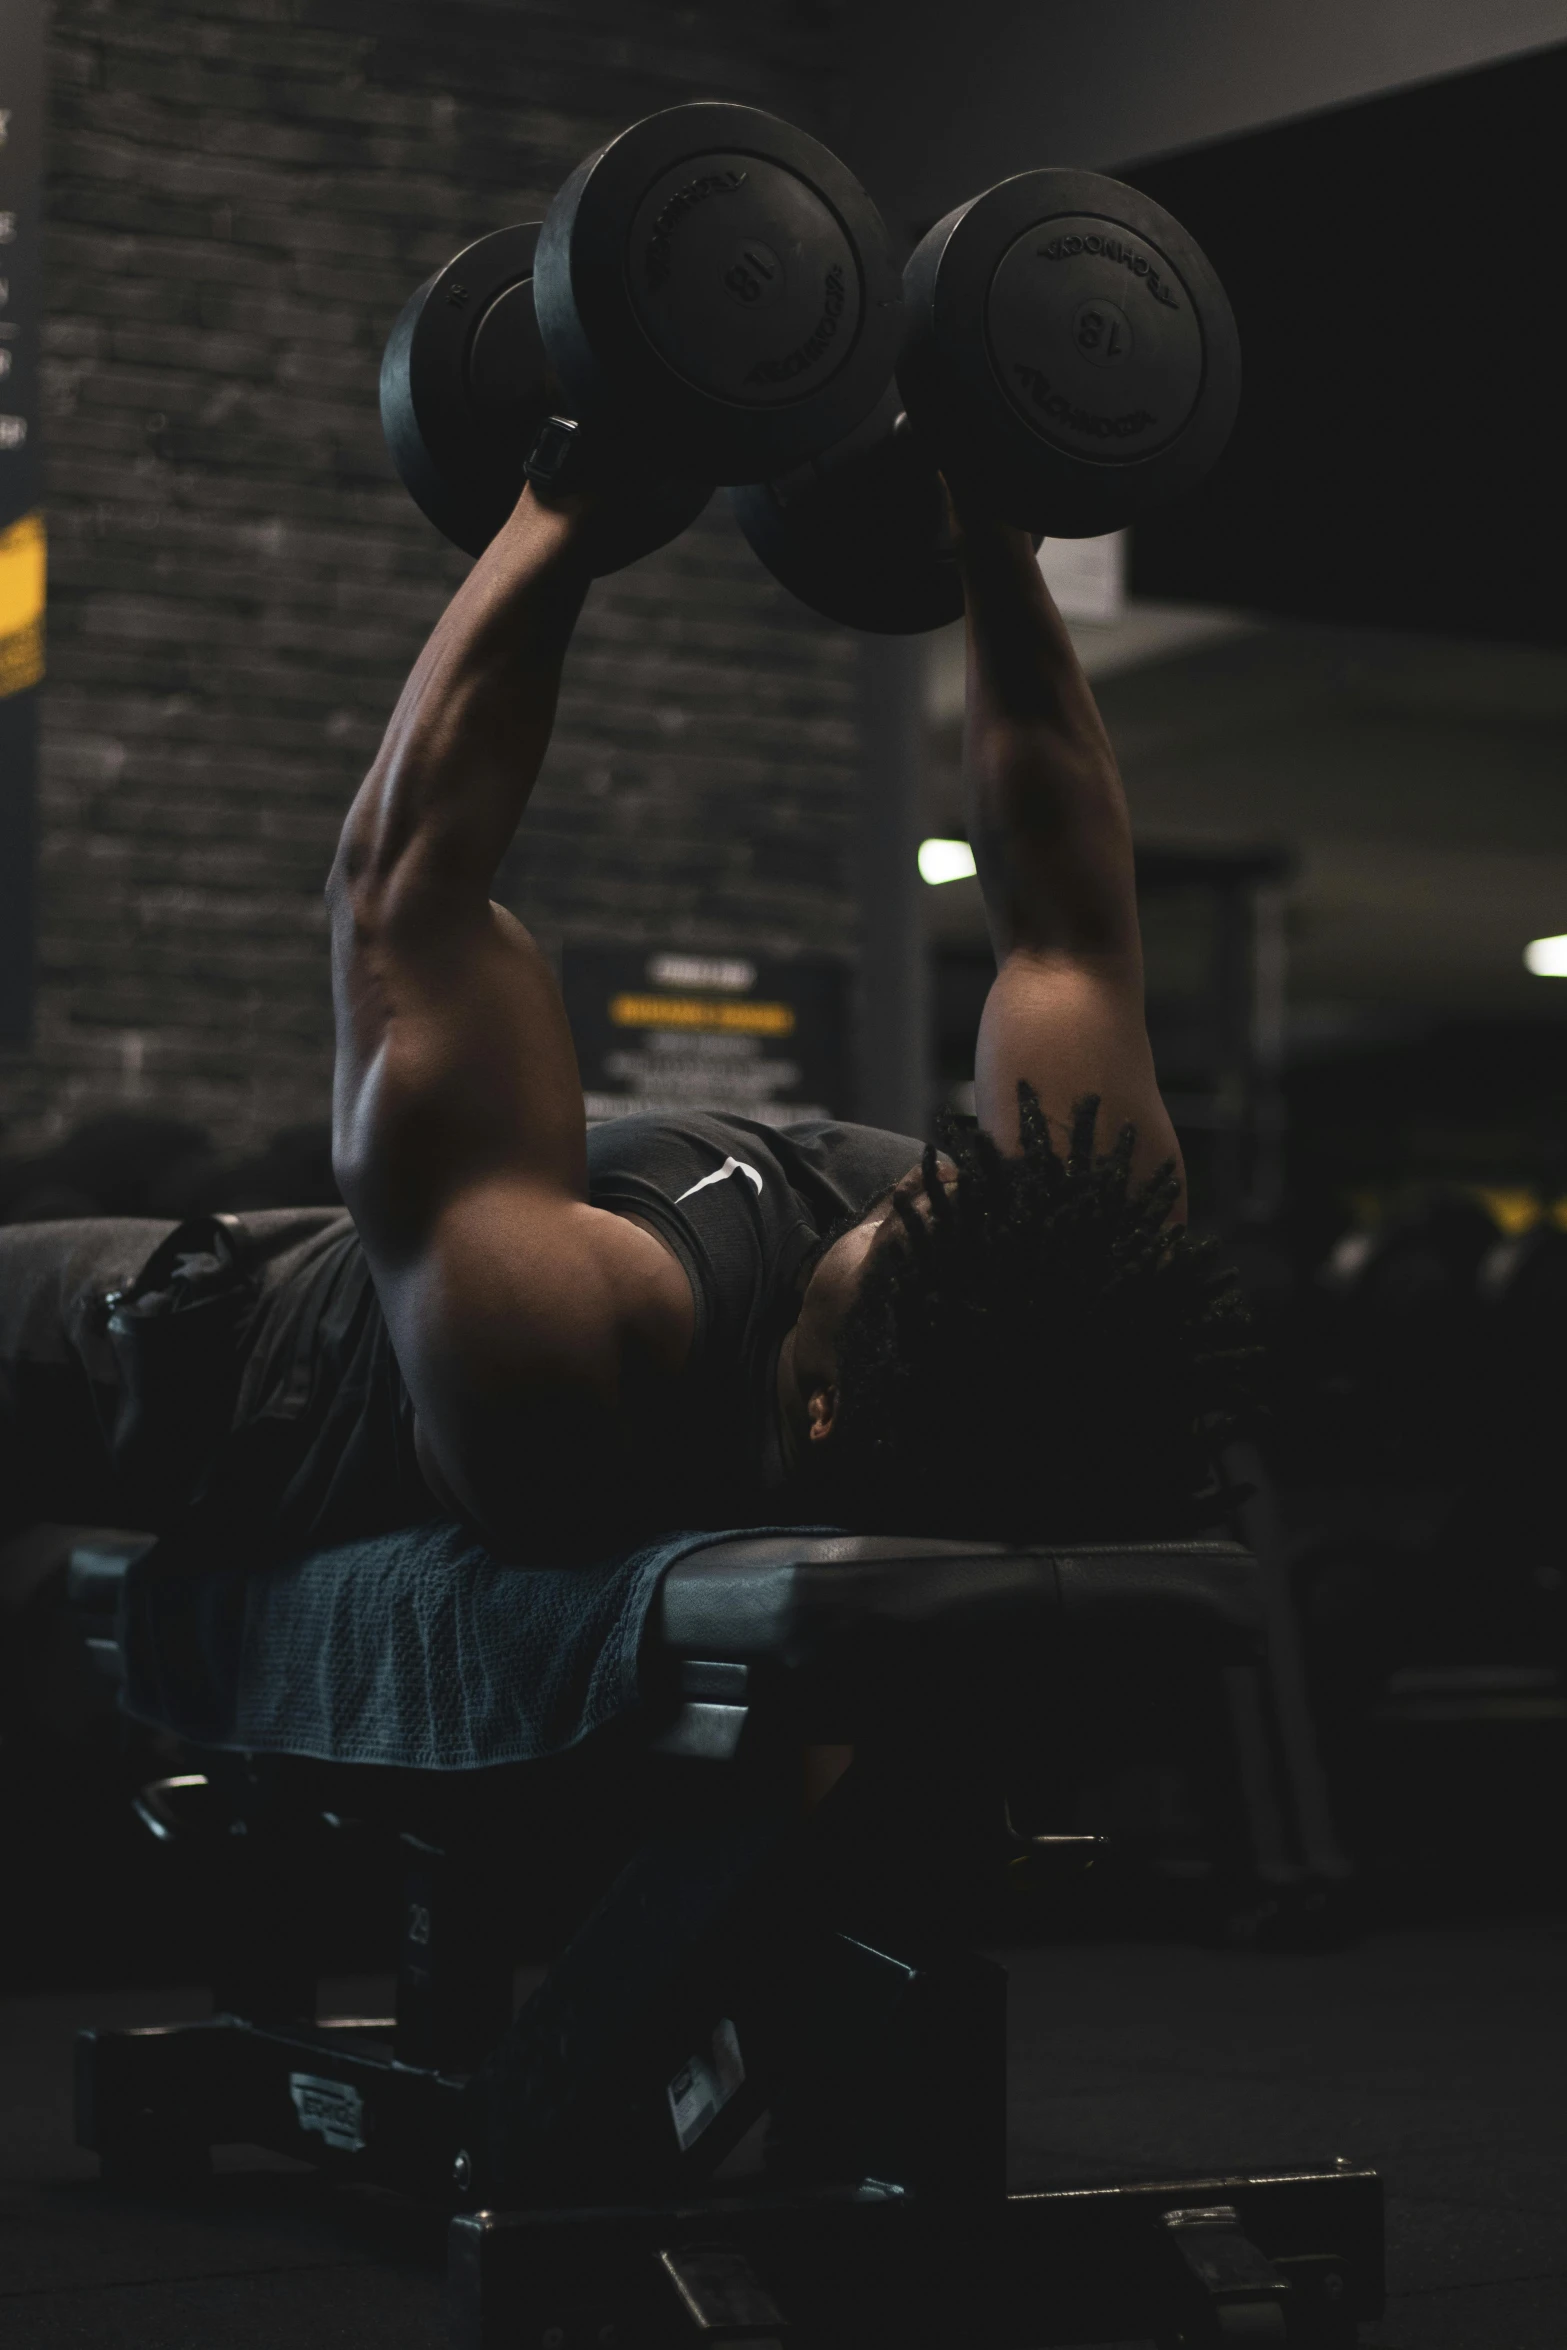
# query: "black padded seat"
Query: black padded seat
{"points": [[791, 1601], [822, 1632], [799, 1625]]}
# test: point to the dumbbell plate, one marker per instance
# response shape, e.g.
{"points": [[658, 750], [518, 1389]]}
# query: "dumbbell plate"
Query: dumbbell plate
{"points": [[1070, 350], [719, 287], [860, 534], [464, 388]]}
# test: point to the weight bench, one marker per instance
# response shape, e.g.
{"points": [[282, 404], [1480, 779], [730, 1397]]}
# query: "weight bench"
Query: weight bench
{"points": [[750, 1958]]}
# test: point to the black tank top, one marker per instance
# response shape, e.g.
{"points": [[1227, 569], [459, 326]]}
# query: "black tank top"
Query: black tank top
{"points": [[743, 1206], [321, 1447]]}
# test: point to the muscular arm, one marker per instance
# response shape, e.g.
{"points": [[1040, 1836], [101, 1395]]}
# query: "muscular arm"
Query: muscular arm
{"points": [[523, 1318], [1052, 842]]}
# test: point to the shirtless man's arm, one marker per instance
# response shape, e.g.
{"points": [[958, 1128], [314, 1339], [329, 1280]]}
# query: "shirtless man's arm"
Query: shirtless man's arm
{"points": [[1052, 842], [524, 1319]]}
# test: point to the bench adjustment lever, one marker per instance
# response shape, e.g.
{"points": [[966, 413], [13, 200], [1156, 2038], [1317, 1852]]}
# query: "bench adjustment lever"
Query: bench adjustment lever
{"points": [[1240, 2297], [723, 2297]]}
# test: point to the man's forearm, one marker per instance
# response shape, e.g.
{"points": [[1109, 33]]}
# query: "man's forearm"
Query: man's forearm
{"points": [[471, 727], [1047, 813]]}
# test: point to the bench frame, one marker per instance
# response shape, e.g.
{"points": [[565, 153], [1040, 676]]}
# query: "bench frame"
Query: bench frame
{"points": [[748, 1960]]}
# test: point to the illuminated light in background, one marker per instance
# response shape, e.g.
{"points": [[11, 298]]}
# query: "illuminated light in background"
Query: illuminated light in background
{"points": [[953, 860], [1545, 957], [1087, 577]]}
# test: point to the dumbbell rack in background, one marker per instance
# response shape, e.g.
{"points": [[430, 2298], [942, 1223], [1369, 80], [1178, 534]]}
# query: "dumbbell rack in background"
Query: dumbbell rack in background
{"points": [[1418, 1452]]}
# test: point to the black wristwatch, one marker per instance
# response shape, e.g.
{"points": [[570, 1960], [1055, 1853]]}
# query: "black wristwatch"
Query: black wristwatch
{"points": [[557, 461]]}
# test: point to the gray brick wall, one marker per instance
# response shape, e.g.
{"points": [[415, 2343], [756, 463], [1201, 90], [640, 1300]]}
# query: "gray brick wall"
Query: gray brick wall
{"points": [[241, 195]]}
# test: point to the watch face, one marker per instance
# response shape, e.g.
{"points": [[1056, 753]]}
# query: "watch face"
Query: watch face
{"points": [[552, 457]]}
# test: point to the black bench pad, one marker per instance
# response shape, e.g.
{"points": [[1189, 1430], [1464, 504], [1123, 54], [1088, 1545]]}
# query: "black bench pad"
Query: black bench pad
{"points": [[420, 1652], [790, 1600]]}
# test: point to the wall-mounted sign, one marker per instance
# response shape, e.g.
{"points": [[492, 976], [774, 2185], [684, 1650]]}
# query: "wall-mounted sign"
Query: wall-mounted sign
{"points": [[667, 1030], [21, 517]]}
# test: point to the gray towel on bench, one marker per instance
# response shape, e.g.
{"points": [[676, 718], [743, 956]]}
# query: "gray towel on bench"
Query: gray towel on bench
{"points": [[415, 1649]]}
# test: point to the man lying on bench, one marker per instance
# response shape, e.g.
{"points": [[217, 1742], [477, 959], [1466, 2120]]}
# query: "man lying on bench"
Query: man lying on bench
{"points": [[573, 1339]]}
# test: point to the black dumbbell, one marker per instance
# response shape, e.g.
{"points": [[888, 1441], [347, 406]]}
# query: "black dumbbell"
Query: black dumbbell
{"points": [[1069, 355], [861, 532], [465, 391], [718, 292], [711, 296]]}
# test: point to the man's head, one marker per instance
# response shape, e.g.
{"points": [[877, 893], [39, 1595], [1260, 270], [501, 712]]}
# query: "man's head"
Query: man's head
{"points": [[1015, 1347]]}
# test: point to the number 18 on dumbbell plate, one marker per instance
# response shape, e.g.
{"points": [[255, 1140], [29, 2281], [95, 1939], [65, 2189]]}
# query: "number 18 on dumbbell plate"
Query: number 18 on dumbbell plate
{"points": [[1068, 358]]}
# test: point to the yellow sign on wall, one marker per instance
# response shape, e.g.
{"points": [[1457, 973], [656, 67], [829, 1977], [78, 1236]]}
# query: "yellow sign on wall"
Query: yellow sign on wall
{"points": [[697, 1012], [23, 578]]}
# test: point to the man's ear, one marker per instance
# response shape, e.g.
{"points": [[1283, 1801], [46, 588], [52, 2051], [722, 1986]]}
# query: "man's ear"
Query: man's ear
{"points": [[821, 1411]]}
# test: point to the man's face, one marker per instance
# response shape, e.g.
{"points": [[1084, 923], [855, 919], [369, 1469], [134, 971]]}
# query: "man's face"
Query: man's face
{"points": [[808, 1365]]}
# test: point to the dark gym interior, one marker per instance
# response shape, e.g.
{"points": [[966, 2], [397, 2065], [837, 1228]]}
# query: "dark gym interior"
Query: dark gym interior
{"points": [[1268, 1868]]}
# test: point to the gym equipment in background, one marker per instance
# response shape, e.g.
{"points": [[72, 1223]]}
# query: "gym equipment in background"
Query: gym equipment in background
{"points": [[465, 388], [1069, 356]]}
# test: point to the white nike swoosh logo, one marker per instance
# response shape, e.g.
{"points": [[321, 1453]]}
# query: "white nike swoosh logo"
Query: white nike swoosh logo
{"points": [[729, 1167]]}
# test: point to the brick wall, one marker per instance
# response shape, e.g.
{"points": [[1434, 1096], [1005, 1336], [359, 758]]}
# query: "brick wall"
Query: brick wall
{"points": [[241, 196]]}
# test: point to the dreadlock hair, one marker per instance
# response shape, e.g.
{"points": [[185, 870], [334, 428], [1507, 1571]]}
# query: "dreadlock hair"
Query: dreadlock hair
{"points": [[1040, 1354]]}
